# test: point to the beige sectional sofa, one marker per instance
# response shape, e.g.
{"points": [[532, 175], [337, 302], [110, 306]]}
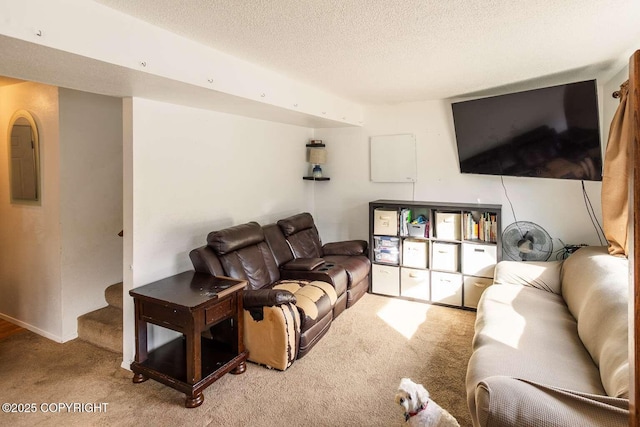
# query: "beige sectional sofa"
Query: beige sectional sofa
{"points": [[550, 345]]}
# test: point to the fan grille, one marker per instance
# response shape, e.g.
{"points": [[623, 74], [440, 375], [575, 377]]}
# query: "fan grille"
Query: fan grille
{"points": [[526, 241]]}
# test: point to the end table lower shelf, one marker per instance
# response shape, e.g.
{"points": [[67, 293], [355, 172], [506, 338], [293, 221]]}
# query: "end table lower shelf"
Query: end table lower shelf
{"points": [[167, 364], [190, 303]]}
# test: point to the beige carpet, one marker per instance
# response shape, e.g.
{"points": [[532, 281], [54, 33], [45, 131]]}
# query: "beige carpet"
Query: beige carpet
{"points": [[348, 379]]}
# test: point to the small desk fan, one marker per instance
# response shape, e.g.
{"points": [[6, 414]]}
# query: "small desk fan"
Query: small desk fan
{"points": [[526, 241]]}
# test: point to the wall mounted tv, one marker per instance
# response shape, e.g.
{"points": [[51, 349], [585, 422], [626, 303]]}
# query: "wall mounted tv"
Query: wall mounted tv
{"points": [[551, 132]]}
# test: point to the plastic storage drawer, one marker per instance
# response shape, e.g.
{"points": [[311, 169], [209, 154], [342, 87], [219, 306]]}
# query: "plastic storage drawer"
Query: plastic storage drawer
{"points": [[386, 249]]}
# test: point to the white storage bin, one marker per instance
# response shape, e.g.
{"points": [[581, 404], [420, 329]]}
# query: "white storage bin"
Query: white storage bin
{"points": [[479, 260], [385, 280], [473, 289], [385, 222], [414, 253], [415, 284], [445, 256], [446, 288], [418, 230], [448, 225]]}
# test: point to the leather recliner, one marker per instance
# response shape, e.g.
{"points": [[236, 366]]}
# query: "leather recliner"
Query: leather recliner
{"points": [[303, 239], [306, 268], [276, 331]]}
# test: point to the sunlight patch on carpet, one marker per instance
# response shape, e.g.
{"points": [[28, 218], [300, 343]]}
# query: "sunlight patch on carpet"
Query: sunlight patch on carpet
{"points": [[404, 316]]}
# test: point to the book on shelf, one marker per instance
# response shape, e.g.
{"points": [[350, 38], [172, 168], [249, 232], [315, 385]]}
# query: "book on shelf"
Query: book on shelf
{"points": [[405, 219], [481, 226]]}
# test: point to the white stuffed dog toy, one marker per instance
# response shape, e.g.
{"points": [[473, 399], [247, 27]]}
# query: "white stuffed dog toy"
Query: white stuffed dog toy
{"points": [[419, 410]]}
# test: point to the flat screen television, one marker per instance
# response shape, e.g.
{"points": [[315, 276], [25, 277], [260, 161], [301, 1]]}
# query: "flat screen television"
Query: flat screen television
{"points": [[551, 132]]}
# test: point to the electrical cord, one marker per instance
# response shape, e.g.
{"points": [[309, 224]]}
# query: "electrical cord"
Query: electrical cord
{"points": [[508, 199], [592, 215], [566, 250], [511, 204]]}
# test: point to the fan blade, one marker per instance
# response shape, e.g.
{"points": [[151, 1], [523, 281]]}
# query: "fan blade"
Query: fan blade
{"points": [[525, 245], [541, 240]]}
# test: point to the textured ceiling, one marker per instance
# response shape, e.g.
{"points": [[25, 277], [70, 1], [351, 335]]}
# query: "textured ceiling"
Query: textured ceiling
{"points": [[388, 51]]}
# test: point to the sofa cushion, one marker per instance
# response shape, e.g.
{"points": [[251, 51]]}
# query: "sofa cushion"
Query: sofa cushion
{"points": [[255, 264], [305, 244], [302, 235], [595, 286], [357, 267], [506, 401], [278, 244], [314, 299], [296, 223], [541, 275], [523, 332], [244, 254], [233, 238]]}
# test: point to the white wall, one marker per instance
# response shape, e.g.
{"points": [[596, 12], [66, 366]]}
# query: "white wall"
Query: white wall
{"points": [[195, 171], [30, 275], [85, 29], [90, 201], [610, 104], [57, 257], [342, 204]]}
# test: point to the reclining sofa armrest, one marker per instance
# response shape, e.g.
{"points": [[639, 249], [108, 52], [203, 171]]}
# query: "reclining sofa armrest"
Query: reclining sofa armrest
{"points": [[507, 401], [204, 260], [543, 275], [348, 247], [303, 264], [330, 273], [259, 298], [272, 333]]}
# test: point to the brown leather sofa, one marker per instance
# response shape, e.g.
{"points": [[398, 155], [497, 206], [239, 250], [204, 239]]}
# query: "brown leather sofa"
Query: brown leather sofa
{"points": [[303, 238], [289, 302], [310, 268]]}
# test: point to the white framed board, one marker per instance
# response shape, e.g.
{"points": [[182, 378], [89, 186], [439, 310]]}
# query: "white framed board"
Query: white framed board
{"points": [[393, 158]]}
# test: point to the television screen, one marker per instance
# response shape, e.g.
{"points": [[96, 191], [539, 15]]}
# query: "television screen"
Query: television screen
{"points": [[550, 133]]}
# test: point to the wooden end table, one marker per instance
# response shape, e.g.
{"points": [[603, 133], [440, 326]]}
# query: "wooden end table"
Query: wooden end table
{"points": [[190, 303]]}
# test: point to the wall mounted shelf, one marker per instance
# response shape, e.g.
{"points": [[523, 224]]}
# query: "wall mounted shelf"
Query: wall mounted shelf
{"points": [[316, 155]]}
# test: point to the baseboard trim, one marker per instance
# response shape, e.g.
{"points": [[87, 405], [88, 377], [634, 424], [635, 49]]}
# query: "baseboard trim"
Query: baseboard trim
{"points": [[71, 337], [32, 328]]}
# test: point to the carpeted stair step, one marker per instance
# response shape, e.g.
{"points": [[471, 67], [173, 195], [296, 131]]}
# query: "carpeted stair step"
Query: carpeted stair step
{"points": [[102, 328], [113, 295]]}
